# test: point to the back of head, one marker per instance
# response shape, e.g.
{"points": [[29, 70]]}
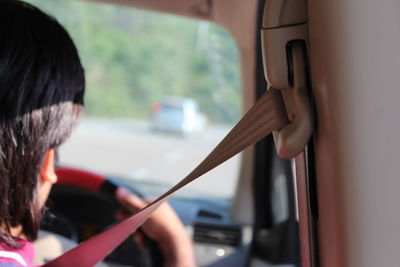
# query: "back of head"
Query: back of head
{"points": [[41, 98]]}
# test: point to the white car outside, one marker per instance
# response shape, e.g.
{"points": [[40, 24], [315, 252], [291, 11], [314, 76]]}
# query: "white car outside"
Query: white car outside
{"points": [[178, 115]]}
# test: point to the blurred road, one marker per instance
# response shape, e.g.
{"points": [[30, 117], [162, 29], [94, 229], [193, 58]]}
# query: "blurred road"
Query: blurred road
{"points": [[130, 149]]}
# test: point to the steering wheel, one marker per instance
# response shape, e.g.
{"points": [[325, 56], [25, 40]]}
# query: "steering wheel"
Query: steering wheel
{"points": [[83, 204]]}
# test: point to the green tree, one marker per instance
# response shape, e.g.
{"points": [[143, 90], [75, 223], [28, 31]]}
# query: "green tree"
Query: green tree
{"points": [[133, 58]]}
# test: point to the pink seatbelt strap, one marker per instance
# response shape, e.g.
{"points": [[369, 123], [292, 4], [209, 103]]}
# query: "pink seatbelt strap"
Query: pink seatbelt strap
{"points": [[268, 114]]}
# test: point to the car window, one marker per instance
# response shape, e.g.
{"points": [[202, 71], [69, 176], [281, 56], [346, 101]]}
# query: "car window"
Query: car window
{"points": [[162, 91]]}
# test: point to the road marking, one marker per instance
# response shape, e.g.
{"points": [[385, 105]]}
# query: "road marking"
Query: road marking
{"points": [[174, 156], [140, 174]]}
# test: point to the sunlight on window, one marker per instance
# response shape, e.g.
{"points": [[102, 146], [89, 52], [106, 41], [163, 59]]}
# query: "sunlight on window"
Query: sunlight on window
{"points": [[162, 91]]}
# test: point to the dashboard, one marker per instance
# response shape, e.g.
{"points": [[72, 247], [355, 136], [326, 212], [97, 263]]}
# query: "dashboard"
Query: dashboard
{"points": [[78, 213]]}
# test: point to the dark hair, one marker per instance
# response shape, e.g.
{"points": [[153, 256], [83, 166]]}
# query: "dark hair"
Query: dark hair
{"points": [[41, 99]]}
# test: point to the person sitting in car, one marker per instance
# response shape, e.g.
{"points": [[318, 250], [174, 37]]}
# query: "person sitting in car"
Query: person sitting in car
{"points": [[41, 101]]}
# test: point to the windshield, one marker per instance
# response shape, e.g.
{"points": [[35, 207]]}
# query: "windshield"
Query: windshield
{"points": [[162, 91]]}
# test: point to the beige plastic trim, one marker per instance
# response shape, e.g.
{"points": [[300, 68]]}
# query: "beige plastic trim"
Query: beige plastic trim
{"points": [[284, 22], [274, 43], [293, 138], [278, 13]]}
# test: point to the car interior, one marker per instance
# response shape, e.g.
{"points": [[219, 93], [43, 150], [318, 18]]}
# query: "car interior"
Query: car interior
{"points": [[331, 204]]}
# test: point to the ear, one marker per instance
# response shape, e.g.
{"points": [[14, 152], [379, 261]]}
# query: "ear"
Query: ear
{"points": [[47, 173]]}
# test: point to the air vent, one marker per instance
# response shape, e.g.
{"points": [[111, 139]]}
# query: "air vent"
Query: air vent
{"points": [[209, 214], [217, 234]]}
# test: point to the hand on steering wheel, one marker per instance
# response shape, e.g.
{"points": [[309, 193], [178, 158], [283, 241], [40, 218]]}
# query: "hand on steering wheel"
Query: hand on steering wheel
{"points": [[165, 228], [164, 235]]}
